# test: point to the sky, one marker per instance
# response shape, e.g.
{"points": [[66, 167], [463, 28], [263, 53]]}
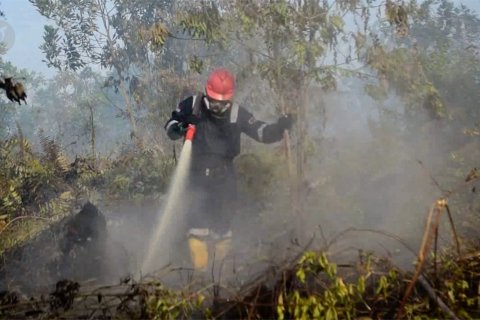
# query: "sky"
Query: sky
{"points": [[27, 26]]}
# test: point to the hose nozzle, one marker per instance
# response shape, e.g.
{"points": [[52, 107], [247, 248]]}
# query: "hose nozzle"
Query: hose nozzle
{"points": [[190, 132]]}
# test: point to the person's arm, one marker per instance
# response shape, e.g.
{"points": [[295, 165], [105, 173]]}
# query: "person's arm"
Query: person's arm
{"points": [[181, 117], [262, 131]]}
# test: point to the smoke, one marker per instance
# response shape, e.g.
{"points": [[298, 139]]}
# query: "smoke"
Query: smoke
{"points": [[377, 168], [369, 167], [366, 174], [371, 170]]}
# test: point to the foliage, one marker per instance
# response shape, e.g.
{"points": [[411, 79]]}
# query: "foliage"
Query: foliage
{"points": [[336, 298], [261, 174], [321, 293], [47, 186], [31, 184], [402, 70], [311, 288], [47, 183], [145, 59], [449, 56], [164, 303], [100, 32], [284, 40], [197, 26], [103, 33], [136, 175], [456, 280], [426, 62], [289, 45], [30, 181], [129, 300]]}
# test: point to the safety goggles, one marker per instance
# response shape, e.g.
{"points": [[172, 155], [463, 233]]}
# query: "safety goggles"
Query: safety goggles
{"points": [[217, 106]]}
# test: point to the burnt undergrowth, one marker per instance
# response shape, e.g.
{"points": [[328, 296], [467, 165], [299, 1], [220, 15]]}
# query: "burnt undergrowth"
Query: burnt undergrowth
{"points": [[308, 286], [64, 271], [312, 287]]}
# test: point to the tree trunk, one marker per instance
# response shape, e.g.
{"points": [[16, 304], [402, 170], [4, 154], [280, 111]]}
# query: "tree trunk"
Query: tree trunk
{"points": [[92, 131], [302, 132], [128, 103], [130, 116], [300, 163]]}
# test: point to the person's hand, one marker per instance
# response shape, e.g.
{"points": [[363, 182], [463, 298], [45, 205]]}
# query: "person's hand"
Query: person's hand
{"points": [[286, 121], [182, 128]]}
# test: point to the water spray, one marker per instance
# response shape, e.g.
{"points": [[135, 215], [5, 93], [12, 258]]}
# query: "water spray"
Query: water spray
{"points": [[159, 245]]}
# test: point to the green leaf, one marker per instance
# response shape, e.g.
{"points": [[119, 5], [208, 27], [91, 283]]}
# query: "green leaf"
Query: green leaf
{"points": [[361, 284], [300, 275], [280, 307], [331, 314], [337, 21]]}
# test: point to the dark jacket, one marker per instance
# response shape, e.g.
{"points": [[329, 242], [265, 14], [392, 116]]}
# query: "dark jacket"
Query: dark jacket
{"points": [[217, 139]]}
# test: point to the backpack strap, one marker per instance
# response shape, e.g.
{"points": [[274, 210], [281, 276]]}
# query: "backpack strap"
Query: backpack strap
{"points": [[196, 104], [234, 113]]}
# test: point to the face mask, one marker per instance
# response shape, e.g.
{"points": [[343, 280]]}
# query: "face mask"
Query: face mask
{"points": [[216, 106]]}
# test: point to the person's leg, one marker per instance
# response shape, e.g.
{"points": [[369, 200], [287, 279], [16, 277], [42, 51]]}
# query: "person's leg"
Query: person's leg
{"points": [[226, 209], [198, 245], [198, 233], [210, 219]]}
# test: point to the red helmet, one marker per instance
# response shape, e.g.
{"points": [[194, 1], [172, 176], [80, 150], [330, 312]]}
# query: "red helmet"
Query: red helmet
{"points": [[220, 85]]}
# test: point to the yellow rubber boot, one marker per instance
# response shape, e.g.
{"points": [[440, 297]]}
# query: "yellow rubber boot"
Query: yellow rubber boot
{"points": [[222, 248], [198, 253]]}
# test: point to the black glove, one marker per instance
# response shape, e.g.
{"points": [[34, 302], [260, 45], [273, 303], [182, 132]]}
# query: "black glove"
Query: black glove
{"points": [[286, 121], [182, 127], [177, 130]]}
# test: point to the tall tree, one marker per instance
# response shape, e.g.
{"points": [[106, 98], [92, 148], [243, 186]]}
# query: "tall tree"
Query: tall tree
{"points": [[117, 35]]}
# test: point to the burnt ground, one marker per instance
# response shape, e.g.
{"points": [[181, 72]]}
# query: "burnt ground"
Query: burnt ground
{"points": [[104, 247]]}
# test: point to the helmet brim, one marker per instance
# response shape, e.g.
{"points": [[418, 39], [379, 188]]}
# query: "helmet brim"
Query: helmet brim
{"points": [[217, 96]]}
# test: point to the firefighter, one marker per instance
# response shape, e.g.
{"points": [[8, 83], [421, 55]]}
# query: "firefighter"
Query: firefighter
{"points": [[219, 122]]}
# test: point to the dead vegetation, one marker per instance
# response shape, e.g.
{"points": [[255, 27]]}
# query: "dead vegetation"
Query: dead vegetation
{"points": [[308, 286], [312, 287]]}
